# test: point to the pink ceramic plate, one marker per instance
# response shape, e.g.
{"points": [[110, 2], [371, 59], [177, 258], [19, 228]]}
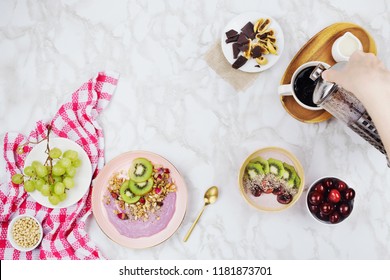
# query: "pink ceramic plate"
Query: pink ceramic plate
{"points": [[123, 162]]}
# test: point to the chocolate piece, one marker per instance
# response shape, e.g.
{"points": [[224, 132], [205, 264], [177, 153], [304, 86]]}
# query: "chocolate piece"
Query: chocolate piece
{"points": [[248, 30], [257, 65], [256, 52], [231, 39], [231, 33], [236, 50], [241, 60], [242, 39], [244, 48]]}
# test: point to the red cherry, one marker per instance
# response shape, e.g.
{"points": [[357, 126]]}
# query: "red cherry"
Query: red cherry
{"points": [[341, 186], [328, 183], [326, 208], [277, 191], [284, 198], [314, 208], [349, 194], [322, 216], [334, 218], [344, 209], [319, 188], [315, 198], [257, 192], [334, 196]]}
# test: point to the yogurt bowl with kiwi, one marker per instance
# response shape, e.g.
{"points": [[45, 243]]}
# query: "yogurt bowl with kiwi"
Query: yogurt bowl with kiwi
{"points": [[271, 179]]}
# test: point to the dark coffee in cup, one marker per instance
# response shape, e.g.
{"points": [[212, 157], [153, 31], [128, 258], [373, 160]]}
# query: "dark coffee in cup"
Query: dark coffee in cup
{"points": [[304, 86]]}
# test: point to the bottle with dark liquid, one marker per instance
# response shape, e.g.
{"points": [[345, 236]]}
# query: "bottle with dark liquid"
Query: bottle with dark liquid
{"points": [[344, 106]]}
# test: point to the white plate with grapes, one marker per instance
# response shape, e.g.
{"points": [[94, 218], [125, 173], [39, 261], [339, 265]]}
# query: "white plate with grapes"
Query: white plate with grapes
{"points": [[71, 173]]}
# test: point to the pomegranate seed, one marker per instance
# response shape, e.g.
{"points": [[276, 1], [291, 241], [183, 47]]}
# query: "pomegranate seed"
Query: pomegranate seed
{"points": [[159, 203], [157, 190], [114, 195], [166, 170], [122, 216], [159, 177], [142, 200]]}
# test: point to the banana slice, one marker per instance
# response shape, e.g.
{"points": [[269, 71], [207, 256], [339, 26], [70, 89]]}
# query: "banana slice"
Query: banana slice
{"points": [[262, 27], [262, 60], [257, 24], [271, 48]]}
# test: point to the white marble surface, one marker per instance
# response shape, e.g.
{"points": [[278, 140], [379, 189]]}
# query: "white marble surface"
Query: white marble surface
{"points": [[170, 102]]}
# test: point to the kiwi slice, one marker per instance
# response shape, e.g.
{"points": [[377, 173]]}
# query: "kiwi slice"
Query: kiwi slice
{"points": [[141, 188], [263, 162], [126, 193], [276, 167], [297, 182], [140, 170], [289, 172], [254, 169]]}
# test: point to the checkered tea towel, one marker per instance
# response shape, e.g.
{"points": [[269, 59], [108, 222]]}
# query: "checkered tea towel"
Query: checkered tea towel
{"points": [[64, 233]]}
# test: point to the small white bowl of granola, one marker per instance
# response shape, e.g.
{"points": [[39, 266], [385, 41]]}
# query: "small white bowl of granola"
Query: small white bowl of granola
{"points": [[25, 233], [271, 179]]}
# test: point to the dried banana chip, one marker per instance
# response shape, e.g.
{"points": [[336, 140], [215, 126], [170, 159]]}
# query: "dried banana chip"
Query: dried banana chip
{"points": [[257, 24], [262, 60], [271, 48]]}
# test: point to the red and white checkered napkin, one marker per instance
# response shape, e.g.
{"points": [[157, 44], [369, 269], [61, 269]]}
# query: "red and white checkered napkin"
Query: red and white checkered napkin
{"points": [[64, 231]]}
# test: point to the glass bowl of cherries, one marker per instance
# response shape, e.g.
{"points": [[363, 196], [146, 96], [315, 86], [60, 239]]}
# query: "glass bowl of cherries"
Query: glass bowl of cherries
{"points": [[330, 200]]}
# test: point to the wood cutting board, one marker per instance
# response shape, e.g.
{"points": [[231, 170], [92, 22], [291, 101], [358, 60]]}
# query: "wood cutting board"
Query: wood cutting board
{"points": [[319, 48]]}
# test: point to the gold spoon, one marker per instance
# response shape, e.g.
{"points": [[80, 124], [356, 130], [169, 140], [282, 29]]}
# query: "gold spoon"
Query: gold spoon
{"points": [[210, 196]]}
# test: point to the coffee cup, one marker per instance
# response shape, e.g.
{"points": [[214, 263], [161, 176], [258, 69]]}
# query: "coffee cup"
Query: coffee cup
{"points": [[302, 87]]}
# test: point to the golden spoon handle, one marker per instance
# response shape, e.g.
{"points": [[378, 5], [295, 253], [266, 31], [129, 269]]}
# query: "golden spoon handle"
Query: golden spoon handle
{"points": [[194, 224]]}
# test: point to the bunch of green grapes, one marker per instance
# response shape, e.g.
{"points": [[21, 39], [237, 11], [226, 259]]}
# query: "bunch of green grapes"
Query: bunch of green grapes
{"points": [[53, 178]]}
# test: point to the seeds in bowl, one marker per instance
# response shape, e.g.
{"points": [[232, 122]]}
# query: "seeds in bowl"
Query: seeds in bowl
{"points": [[26, 232]]}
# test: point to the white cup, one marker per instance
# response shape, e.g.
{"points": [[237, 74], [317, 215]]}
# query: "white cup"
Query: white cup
{"points": [[345, 46], [288, 90]]}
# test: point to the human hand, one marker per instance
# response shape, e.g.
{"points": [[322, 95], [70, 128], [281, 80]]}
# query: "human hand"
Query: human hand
{"points": [[364, 75]]}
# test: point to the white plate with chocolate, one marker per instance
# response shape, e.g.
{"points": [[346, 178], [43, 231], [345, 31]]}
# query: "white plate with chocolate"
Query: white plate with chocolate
{"points": [[252, 42]]}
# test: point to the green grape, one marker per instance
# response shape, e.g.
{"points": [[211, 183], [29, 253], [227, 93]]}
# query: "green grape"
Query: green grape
{"points": [[59, 188], [62, 196], [45, 190], [29, 186], [58, 170], [72, 155], [39, 183], [53, 199], [29, 171], [17, 179], [41, 171], [68, 182], [57, 179], [71, 171], [76, 163], [36, 163], [55, 153], [65, 162]]}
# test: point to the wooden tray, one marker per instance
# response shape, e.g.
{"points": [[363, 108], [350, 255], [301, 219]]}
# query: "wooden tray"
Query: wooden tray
{"points": [[319, 48]]}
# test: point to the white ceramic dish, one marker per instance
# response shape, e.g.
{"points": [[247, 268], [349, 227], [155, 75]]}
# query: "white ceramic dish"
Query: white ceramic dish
{"points": [[237, 23], [82, 178], [317, 218], [10, 236]]}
